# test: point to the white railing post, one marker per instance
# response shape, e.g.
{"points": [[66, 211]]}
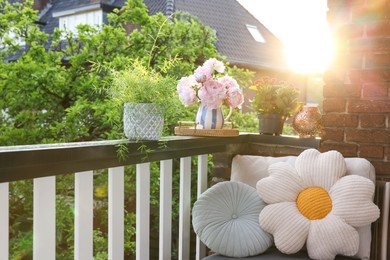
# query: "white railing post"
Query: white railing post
{"points": [[83, 226], [184, 208], [4, 220], [44, 230], [142, 211], [116, 213], [165, 210], [202, 186]]}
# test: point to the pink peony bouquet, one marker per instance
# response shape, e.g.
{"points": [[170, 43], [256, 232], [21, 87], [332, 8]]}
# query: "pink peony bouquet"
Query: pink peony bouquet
{"points": [[210, 90]]}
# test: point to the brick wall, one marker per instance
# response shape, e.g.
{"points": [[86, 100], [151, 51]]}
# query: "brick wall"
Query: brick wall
{"points": [[357, 86]]}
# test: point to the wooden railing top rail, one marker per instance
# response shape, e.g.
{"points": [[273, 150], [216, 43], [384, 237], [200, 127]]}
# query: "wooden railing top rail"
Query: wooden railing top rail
{"points": [[33, 161]]}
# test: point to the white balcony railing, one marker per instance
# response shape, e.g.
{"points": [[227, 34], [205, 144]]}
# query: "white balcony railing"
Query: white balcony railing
{"points": [[43, 163]]}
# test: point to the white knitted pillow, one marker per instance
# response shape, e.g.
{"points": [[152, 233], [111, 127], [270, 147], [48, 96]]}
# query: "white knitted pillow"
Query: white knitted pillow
{"points": [[316, 204]]}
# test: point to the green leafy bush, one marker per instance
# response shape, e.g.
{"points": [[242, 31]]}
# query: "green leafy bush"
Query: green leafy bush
{"points": [[53, 93]]}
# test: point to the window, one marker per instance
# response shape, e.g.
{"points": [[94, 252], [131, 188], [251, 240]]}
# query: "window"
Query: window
{"points": [[255, 33], [69, 19]]}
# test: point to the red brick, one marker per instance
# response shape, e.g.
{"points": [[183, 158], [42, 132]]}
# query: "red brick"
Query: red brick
{"points": [[340, 120], [376, 90], [371, 75], [355, 76], [348, 31], [334, 105], [355, 61], [378, 59], [371, 151], [342, 90], [367, 136], [367, 13], [387, 153], [368, 106], [378, 28], [333, 90], [347, 150], [355, 80], [344, 3], [332, 134], [380, 8], [369, 44], [359, 135], [339, 16], [382, 169], [372, 121], [334, 75]]}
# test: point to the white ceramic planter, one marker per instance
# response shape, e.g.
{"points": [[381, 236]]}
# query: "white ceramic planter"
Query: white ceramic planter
{"points": [[143, 121]]}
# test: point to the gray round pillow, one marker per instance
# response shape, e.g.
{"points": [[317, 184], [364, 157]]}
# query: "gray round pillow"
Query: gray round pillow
{"points": [[226, 219]]}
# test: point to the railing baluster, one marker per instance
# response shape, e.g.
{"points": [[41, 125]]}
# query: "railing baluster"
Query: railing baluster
{"points": [[184, 208], [44, 237], [165, 210], [202, 186], [385, 221], [83, 226], [116, 213], [142, 211], [4, 220]]}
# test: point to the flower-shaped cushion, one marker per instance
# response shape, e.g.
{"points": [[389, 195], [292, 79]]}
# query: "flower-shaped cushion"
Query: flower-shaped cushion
{"points": [[226, 219], [314, 203]]}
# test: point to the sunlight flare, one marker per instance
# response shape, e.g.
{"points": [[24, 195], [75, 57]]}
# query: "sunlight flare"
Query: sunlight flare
{"points": [[310, 54]]}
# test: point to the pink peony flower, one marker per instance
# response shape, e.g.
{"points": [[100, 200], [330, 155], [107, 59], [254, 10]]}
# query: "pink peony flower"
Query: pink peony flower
{"points": [[235, 98], [202, 74], [212, 94], [187, 96], [215, 64], [228, 82], [186, 91], [188, 81]]}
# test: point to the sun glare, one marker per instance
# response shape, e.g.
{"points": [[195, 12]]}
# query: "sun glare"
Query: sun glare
{"points": [[301, 25], [310, 54]]}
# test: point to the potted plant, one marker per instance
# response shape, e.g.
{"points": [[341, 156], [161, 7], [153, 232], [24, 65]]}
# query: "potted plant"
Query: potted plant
{"points": [[144, 95], [274, 101]]}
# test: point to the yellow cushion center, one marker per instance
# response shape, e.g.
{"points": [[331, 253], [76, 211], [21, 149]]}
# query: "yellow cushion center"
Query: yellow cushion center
{"points": [[314, 203]]}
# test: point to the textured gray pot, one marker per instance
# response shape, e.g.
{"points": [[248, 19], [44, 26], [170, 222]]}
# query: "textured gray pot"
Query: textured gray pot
{"points": [[271, 124], [143, 121]]}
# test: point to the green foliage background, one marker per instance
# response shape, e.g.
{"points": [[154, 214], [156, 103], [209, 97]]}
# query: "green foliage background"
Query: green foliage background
{"points": [[53, 92]]}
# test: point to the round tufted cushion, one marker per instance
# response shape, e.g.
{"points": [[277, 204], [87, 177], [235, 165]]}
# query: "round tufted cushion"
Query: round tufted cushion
{"points": [[226, 219]]}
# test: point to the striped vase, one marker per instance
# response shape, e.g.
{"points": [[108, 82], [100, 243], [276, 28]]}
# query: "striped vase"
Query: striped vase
{"points": [[207, 118]]}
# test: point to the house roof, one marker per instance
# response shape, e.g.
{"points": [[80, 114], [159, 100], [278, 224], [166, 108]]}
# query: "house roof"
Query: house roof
{"points": [[230, 19], [227, 17]]}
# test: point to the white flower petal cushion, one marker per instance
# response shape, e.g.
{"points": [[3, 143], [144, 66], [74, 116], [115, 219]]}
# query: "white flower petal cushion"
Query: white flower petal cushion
{"points": [[325, 210], [251, 168], [226, 219]]}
